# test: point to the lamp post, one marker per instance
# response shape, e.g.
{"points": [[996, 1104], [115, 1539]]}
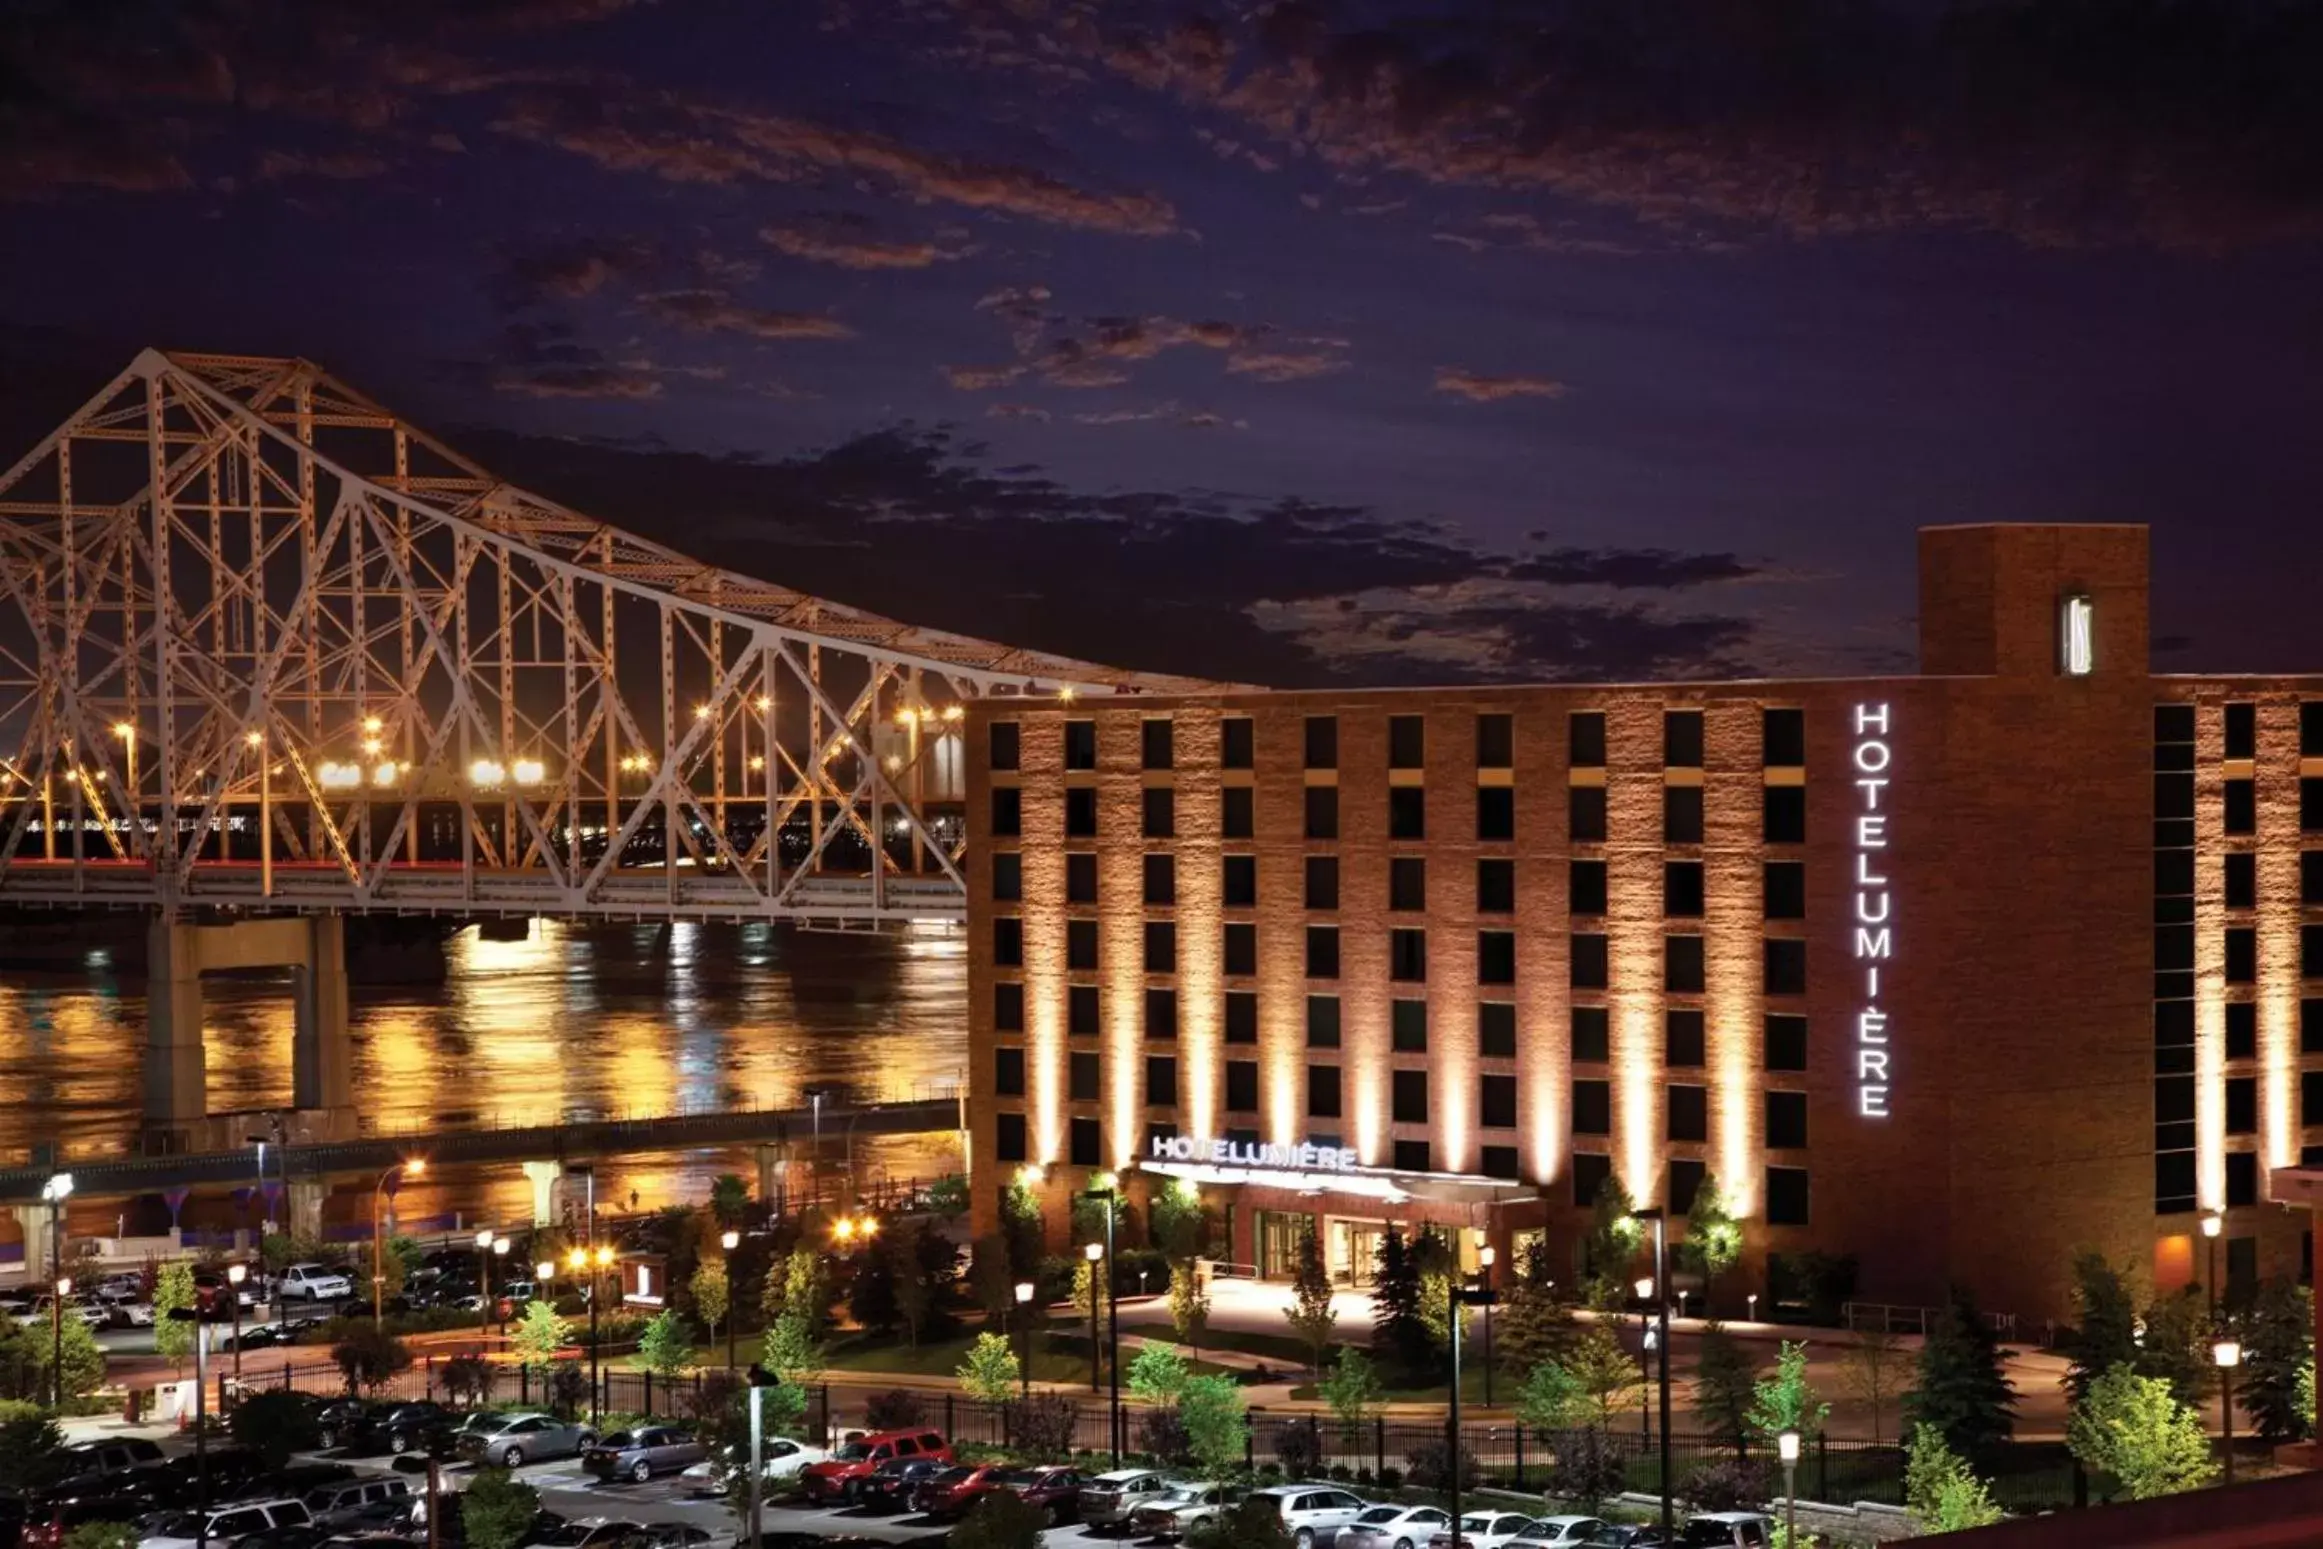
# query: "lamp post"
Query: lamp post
{"points": [[1645, 1365], [2213, 1224], [484, 1279], [235, 1274], [1752, 1299], [542, 1273], [1107, 1192], [730, 1241], [1787, 1448], [412, 1167], [594, 1264], [2226, 1355], [1024, 1290], [1462, 1296], [1486, 1256], [1659, 1289], [500, 1247], [58, 1291], [1094, 1252]]}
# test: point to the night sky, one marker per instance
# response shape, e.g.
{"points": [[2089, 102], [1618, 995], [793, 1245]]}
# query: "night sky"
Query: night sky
{"points": [[1291, 343]]}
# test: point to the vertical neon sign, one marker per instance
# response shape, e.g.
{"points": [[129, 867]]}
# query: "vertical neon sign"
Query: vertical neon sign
{"points": [[1874, 904]]}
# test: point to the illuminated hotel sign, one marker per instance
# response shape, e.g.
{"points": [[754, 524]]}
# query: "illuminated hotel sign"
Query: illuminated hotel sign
{"points": [[1254, 1156], [1874, 935], [2076, 636]]}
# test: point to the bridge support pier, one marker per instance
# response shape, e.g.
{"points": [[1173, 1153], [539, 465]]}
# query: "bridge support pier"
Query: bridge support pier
{"points": [[313, 947], [36, 1222], [306, 1208], [543, 1176]]}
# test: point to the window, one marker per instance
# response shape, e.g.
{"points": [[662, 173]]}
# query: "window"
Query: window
{"points": [[1322, 742], [1161, 1013], [1589, 962], [1585, 891], [2311, 806], [1783, 738], [2241, 807], [1496, 957], [1681, 814], [2311, 951], [1161, 1080], [1322, 951], [1496, 1104], [1592, 1034], [1786, 890], [2241, 1178], [1007, 811], [1414, 1156], [1682, 964], [1160, 811], [1499, 1162], [1240, 881], [1592, 1107], [1407, 956], [1322, 812], [1685, 1183], [1241, 948], [1496, 813], [1682, 889], [1585, 814], [1242, 1086], [1161, 947], [1080, 744], [1322, 1021], [1682, 739], [1411, 1097], [1585, 739], [1322, 882], [2311, 1027], [1081, 945], [1689, 1113], [1080, 879], [1080, 812], [1236, 812], [1002, 744], [1008, 1007], [1081, 1077], [1683, 1043], [1495, 742], [1496, 1030], [1786, 1196], [1081, 1010], [2311, 729], [2241, 1030], [1323, 1092], [1007, 876], [1407, 1022], [1786, 1042], [1161, 879], [1786, 968], [1495, 887], [2311, 878], [1237, 748], [1157, 744], [2242, 1105], [2311, 1099], [1241, 1016], [1786, 1121], [2242, 731], [2173, 723], [1785, 815], [1590, 1173], [1407, 812], [1407, 742], [1008, 1072], [2241, 955], [1008, 941], [1008, 1137], [1407, 883], [1088, 1143]]}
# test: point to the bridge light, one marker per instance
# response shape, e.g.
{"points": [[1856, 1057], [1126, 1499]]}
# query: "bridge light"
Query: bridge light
{"points": [[486, 772], [701, 712], [374, 725], [530, 771], [762, 704], [338, 777], [125, 731], [1066, 693], [894, 762], [757, 762], [951, 712], [385, 774], [253, 738]]}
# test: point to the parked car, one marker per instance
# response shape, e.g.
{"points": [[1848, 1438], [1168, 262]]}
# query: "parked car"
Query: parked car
{"points": [[1500, 1530], [777, 1459], [346, 1419], [683, 1535], [1727, 1530], [294, 1536], [1109, 1500], [951, 1494], [338, 1505], [642, 1453], [210, 1290], [842, 1475], [1626, 1535], [38, 1311], [1393, 1527], [51, 1518], [1311, 1511], [397, 1428], [588, 1533], [896, 1483], [1055, 1489], [119, 1288], [107, 1460], [315, 1283], [517, 1439], [220, 1524], [130, 1314], [1184, 1509], [232, 1472]]}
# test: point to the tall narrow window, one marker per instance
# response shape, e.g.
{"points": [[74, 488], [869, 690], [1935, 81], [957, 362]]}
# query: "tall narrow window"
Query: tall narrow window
{"points": [[1080, 744], [1682, 739], [1322, 742], [1001, 744], [1322, 882], [1157, 748], [1585, 739], [1407, 742], [1237, 747], [1495, 742]]}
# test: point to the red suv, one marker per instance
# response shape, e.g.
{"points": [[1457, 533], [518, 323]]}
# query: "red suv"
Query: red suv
{"points": [[842, 1475]]}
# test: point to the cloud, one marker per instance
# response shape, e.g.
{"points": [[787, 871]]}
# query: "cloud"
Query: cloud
{"points": [[1017, 411], [1477, 387], [981, 379], [536, 358], [710, 311], [1285, 366], [850, 251], [1161, 413], [1631, 569], [343, 166]]}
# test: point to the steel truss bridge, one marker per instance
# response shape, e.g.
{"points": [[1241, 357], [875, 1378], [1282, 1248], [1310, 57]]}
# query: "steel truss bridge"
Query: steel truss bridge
{"points": [[266, 646]]}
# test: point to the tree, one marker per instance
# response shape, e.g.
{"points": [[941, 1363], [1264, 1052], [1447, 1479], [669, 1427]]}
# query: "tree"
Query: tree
{"points": [[1189, 1304], [1179, 1226], [2135, 1429], [2105, 1313], [31, 1449], [1785, 1400], [468, 1379], [1962, 1389], [20, 1365], [274, 1425], [1298, 1447], [711, 1293], [1353, 1392], [1606, 1372], [1042, 1425], [1551, 1399], [1533, 1323], [1002, 1519], [84, 1358], [497, 1510], [1589, 1467], [367, 1355], [1217, 1421], [2176, 1346], [729, 1199], [991, 1372], [993, 1280], [541, 1334], [1399, 1329], [667, 1345], [948, 1196], [791, 1351], [173, 1291], [1873, 1368], [1437, 1311], [1713, 1239], [897, 1409], [1725, 1387], [1939, 1491], [799, 1281], [103, 1535], [871, 1298], [2278, 1342], [1022, 1226], [1312, 1319], [924, 1263], [1158, 1374], [1612, 1242], [1252, 1524]]}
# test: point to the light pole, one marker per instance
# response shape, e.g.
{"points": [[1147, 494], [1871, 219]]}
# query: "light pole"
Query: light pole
{"points": [[542, 1273], [582, 1259], [54, 1193], [1462, 1296], [1024, 1290], [1787, 1448], [413, 1167], [235, 1274], [1108, 1193], [2226, 1354], [1659, 1289], [1752, 1299], [730, 1241], [58, 1291], [2212, 1225], [1486, 1256], [1093, 1253], [500, 1247], [1645, 1365], [484, 1277]]}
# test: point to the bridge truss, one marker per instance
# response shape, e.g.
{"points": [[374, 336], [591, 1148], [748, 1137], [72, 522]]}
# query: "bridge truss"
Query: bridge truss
{"points": [[265, 645]]}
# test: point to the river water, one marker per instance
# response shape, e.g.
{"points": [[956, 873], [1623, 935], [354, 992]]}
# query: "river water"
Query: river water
{"points": [[579, 1020]]}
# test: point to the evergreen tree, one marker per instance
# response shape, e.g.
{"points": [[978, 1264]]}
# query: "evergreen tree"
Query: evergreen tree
{"points": [[173, 1291], [1607, 1372], [1312, 1319], [1713, 1239], [1399, 1330], [2106, 1315], [2176, 1347], [1189, 1305], [2278, 1342], [1962, 1390], [1533, 1323], [1614, 1233], [1724, 1387]]}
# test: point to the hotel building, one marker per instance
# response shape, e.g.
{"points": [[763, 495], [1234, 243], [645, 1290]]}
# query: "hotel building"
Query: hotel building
{"points": [[1954, 972]]}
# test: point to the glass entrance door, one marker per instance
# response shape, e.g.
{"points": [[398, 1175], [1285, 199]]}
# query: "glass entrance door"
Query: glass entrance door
{"points": [[1354, 1250]]}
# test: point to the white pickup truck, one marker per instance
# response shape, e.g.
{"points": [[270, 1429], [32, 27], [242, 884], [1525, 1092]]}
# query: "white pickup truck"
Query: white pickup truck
{"points": [[316, 1283]]}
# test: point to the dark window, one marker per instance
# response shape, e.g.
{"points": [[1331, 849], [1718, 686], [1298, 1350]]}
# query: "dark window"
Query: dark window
{"points": [[1080, 879], [1008, 1072], [2311, 806], [2241, 807], [2241, 1178], [2311, 1027], [1241, 948], [1008, 1007], [1241, 1016], [1495, 887], [2174, 798], [1007, 811], [1685, 1183], [1783, 738], [1081, 1077], [1497, 1104], [1081, 1010], [1592, 1034], [1237, 812], [1161, 947], [1590, 1172], [1407, 1022], [1499, 1162], [1161, 812], [1080, 744], [1161, 1013], [2311, 951], [1496, 1030], [1322, 812], [1495, 742], [1589, 962], [1322, 881], [1322, 951], [2173, 1182], [1786, 1196], [1585, 739], [1001, 743], [1008, 1137], [1407, 956], [1689, 1115], [1161, 879], [1161, 1081], [2241, 1030], [1157, 744], [1592, 1107], [1323, 1092], [1237, 748], [2242, 1105], [1496, 957], [2311, 729], [1585, 818], [1411, 1097], [1682, 739], [1683, 1042], [1080, 812], [1241, 881], [2242, 731], [2311, 878], [1786, 890], [2311, 1097], [1081, 945], [1322, 742], [1322, 1021], [1786, 968], [2241, 881], [2173, 723], [1681, 814], [1008, 941], [1414, 1156], [1407, 812], [1407, 883], [1786, 1120], [1682, 889], [1088, 1143], [1682, 964], [1407, 742], [2241, 955], [1786, 1042], [1242, 1086], [1786, 814], [1586, 891], [1007, 876], [1495, 813]]}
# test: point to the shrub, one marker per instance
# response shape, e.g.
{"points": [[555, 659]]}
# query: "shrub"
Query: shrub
{"points": [[275, 1425], [1391, 1479], [1162, 1433], [1589, 1468], [568, 1387], [897, 1409], [1001, 1520], [1300, 1447], [1042, 1425], [368, 1357], [1431, 1469], [1727, 1486], [31, 1445], [468, 1379], [102, 1535], [497, 1510], [1251, 1525]]}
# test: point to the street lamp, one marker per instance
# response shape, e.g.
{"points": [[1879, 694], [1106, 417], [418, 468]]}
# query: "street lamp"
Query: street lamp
{"points": [[594, 1264], [484, 1275], [1752, 1299], [1094, 1253], [1486, 1256], [730, 1241], [1024, 1290], [1659, 1288], [413, 1167], [54, 1193], [1787, 1448], [58, 1291], [500, 1247], [235, 1274], [1462, 1296], [2226, 1355], [1107, 1192], [2212, 1225]]}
